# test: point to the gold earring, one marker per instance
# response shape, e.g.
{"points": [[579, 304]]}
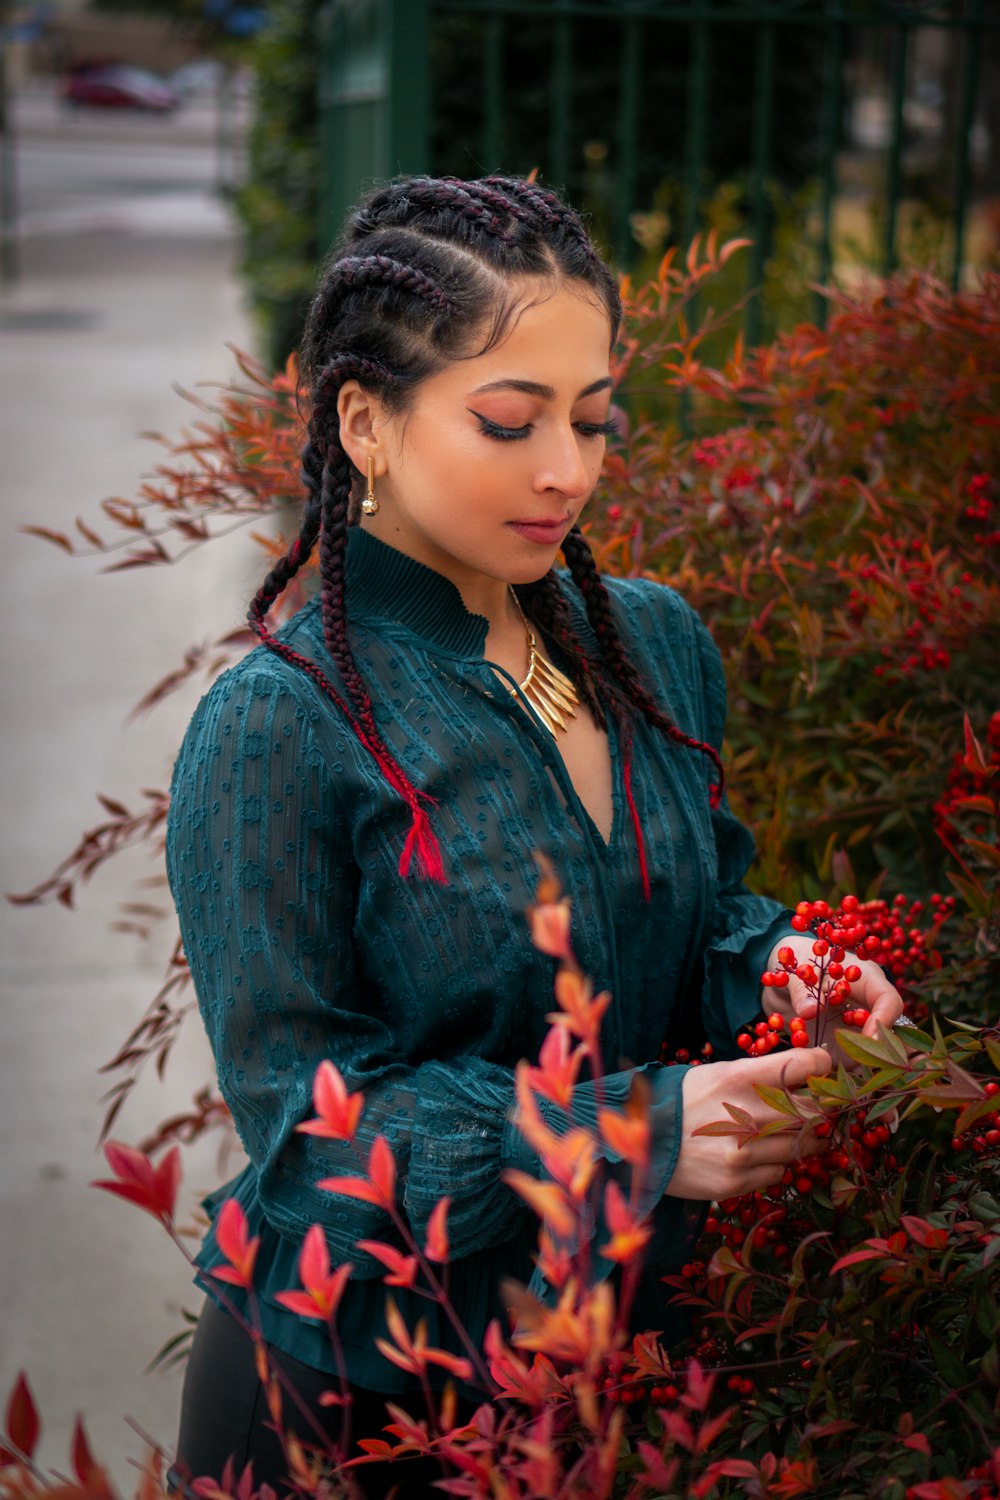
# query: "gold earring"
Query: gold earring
{"points": [[369, 504]]}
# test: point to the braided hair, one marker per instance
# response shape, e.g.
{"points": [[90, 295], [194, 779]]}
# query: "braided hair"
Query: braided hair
{"points": [[426, 271]]}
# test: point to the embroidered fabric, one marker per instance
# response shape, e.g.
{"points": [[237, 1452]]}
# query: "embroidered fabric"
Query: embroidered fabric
{"points": [[305, 943]]}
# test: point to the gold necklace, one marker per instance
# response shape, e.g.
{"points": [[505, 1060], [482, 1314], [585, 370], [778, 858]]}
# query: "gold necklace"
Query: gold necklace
{"points": [[549, 691]]}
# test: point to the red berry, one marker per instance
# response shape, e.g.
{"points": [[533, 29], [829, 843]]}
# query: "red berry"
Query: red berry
{"points": [[776, 1021], [744, 1041], [849, 903], [800, 1039], [786, 956]]}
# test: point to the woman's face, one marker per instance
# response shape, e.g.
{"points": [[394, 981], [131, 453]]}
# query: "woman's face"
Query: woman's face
{"points": [[494, 459]]}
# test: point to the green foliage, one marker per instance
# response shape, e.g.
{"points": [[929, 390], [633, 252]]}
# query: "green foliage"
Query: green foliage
{"points": [[279, 205]]}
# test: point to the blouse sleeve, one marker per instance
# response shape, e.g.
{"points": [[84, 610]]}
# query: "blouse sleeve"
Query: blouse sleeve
{"points": [[745, 926], [260, 865]]}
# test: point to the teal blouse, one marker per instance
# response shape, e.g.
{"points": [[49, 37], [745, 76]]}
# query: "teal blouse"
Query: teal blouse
{"points": [[304, 941]]}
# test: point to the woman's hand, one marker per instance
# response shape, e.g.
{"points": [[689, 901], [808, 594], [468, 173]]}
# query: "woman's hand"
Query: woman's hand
{"points": [[713, 1166], [873, 991]]}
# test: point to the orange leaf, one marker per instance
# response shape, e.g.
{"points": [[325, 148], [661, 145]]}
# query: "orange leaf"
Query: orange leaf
{"points": [[437, 1232], [547, 1199]]}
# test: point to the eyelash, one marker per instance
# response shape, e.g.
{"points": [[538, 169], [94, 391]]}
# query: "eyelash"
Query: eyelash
{"points": [[516, 434]]}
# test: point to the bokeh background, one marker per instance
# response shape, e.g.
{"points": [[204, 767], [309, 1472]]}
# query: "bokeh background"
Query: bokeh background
{"points": [[143, 232]]}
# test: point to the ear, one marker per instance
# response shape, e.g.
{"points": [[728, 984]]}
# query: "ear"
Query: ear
{"points": [[361, 416]]}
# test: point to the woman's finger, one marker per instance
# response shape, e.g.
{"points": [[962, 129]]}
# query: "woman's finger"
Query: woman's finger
{"points": [[882, 999]]}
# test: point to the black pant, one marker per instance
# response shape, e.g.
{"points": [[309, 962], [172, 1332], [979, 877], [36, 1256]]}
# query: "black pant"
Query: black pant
{"points": [[224, 1414]]}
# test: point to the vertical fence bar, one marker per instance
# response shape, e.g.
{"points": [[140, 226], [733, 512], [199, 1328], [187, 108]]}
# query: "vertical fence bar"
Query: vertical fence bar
{"points": [[895, 174], [559, 118], [830, 128], [492, 146], [763, 115], [972, 44], [408, 97], [629, 93], [695, 126]]}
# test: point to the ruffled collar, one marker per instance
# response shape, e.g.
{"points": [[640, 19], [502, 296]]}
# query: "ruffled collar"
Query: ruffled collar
{"points": [[386, 586]]}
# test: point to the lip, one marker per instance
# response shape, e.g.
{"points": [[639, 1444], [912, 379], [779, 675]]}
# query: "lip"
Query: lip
{"points": [[545, 532]]}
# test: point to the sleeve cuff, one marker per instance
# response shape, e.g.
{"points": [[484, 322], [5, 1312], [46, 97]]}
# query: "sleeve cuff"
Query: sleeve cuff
{"points": [[733, 966]]}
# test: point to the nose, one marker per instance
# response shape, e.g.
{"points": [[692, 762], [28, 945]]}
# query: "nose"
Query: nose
{"points": [[564, 467]]}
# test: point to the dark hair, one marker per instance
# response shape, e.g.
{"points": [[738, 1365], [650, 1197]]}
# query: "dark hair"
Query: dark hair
{"points": [[429, 270]]}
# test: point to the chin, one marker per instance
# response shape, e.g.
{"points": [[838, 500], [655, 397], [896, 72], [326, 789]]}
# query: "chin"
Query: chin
{"points": [[531, 572]]}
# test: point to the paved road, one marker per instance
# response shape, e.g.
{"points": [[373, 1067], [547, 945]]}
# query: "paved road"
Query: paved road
{"points": [[128, 286]]}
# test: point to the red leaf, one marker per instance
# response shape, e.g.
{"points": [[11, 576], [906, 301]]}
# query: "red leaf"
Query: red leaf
{"points": [[856, 1257], [23, 1426], [84, 1466], [231, 1236], [314, 1258], [974, 760], [382, 1170], [923, 1233]]}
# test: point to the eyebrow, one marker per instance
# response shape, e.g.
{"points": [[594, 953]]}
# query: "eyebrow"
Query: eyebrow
{"points": [[544, 392]]}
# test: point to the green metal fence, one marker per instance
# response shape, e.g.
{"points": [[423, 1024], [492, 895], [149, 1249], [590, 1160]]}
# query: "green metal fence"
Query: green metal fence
{"points": [[471, 85]]}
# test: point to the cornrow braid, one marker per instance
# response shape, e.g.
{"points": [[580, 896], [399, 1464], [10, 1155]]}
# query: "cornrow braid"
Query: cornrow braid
{"points": [[550, 209], [285, 569], [370, 270], [501, 201], [583, 570], [332, 506], [395, 204]]}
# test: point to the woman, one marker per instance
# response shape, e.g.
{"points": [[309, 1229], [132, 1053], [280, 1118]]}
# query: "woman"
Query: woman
{"points": [[357, 805]]}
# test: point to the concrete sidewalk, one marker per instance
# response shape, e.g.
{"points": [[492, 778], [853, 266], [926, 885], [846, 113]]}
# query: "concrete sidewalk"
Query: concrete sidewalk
{"points": [[128, 286]]}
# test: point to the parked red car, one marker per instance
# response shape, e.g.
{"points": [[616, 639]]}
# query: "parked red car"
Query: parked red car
{"points": [[117, 86]]}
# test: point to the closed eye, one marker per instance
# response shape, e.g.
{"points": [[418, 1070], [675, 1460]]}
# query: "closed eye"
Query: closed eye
{"points": [[516, 434]]}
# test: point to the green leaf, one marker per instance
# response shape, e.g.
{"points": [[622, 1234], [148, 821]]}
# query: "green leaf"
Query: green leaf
{"points": [[991, 1252], [884, 1078], [949, 1366], [871, 1051], [984, 1207], [776, 1098]]}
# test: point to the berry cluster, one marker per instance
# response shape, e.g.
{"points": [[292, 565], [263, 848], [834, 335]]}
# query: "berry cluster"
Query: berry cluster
{"points": [[762, 1037], [683, 1056], [932, 598], [980, 508], [629, 1392], [984, 1137], [896, 935], [963, 784]]}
